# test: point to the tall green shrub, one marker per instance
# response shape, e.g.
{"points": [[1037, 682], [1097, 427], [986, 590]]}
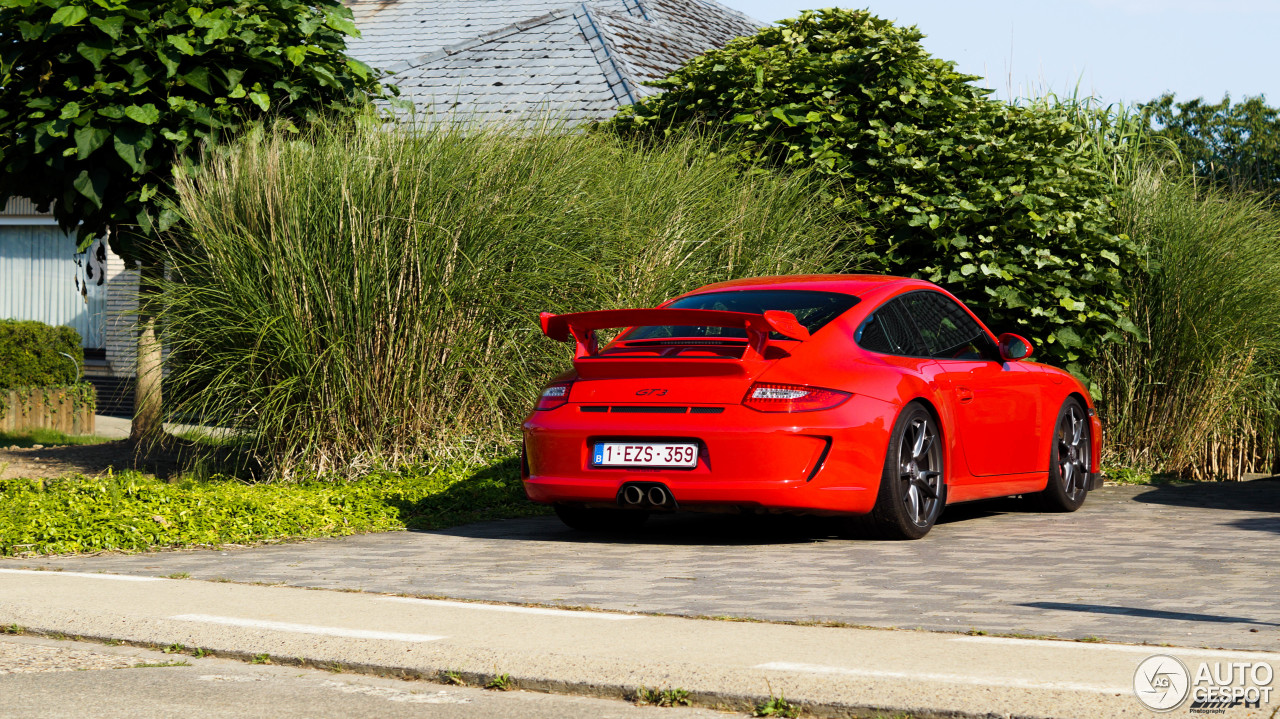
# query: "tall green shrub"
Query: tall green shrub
{"points": [[371, 295], [30, 355], [1000, 203]]}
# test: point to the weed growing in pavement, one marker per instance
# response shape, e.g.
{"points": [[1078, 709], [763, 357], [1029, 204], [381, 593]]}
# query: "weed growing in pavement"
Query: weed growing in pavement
{"points": [[12, 629], [174, 648], [777, 707], [113, 642], [451, 677], [146, 665], [501, 682], [261, 659], [178, 575], [662, 697], [199, 653]]}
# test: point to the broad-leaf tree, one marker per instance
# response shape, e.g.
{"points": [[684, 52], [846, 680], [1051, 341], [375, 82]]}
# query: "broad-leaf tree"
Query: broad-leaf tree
{"points": [[1232, 144], [997, 202], [101, 99]]}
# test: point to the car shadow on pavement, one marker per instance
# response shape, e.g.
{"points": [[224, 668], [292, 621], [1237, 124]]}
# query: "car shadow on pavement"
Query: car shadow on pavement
{"points": [[664, 529], [1259, 495], [1149, 613]]}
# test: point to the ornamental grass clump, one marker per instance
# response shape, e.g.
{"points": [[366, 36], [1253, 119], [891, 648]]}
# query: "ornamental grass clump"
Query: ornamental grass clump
{"points": [[1198, 394], [369, 295]]}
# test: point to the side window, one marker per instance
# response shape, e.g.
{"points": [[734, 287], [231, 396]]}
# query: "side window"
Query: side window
{"points": [[947, 330], [888, 331]]}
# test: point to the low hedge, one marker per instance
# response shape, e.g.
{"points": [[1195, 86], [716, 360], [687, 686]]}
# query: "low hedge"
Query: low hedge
{"points": [[133, 512], [29, 354]]}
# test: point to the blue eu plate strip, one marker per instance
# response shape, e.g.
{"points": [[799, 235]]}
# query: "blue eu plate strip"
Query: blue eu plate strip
{"points": [[599, 454]]}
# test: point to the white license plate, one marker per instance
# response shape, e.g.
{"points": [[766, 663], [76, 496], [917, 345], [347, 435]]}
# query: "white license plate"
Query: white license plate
{"points": [[645, 454]]}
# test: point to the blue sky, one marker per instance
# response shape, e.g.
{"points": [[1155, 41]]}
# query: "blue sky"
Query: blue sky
{"points": [[1117, 50]]}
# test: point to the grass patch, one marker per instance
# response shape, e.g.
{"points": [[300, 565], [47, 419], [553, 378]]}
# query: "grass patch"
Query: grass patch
{"points": [[676, 697], [501, 683], [133, 512], [777, 707], [1137, 476], [47, 438]]}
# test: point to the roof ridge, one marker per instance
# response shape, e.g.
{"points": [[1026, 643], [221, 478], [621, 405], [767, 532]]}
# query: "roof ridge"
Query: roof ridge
{"points": [[606, 56], [490, 36]]}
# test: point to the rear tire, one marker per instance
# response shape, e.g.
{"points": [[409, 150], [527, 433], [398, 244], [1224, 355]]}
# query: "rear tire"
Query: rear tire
{"points": [[1068, 461], [913, 487], [585, 519]]}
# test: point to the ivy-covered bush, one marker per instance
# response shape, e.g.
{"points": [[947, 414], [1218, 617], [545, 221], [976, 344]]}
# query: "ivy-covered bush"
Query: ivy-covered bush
{"points": [[29, 355], [997, 202]]}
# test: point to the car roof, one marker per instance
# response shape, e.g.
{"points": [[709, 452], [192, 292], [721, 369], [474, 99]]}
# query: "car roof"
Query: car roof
{"points": [[845, 284]]}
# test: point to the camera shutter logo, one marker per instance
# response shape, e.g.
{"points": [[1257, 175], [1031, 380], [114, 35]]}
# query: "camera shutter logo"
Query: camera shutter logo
{"points": [[1161, 682]]}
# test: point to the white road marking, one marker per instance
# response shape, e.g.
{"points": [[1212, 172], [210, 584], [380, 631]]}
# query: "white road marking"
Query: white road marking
{"points": [[397, 695], [1133, 649], [514, 609], [117, 577], [305, 628], [1010, 682]]}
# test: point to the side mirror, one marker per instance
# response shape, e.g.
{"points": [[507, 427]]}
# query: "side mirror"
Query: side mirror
{"points": [[1014, 347]]}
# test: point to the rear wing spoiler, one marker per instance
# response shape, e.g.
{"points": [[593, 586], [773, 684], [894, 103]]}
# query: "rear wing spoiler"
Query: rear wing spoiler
{"points": [[582, 326]]}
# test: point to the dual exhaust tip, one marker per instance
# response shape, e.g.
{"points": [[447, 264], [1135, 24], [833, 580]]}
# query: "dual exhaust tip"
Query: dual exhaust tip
{"points": [[652, 495]]}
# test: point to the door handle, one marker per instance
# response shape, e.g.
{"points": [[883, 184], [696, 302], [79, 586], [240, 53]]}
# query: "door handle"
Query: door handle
{"points": [[964, 394]]}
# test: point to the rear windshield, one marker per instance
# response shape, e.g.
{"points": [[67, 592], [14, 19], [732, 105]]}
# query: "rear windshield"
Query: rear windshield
{"points": [[813, 309]]}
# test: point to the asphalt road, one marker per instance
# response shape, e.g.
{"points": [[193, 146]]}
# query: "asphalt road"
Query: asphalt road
{"points": [[70, 680], [1182, 565]]}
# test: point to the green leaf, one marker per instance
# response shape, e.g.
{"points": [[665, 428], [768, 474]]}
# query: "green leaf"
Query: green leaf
{"points": [[91, 187], [69, 16], [295, 54], [70, 111], [340, 20], [182, 44], [131, 145], [109, 25], [88, 139], [1068, 337], [260, 99], [146, 114], [199, 79], [93, 53], [219, 30], [360, 69], [170, 62], [233, 76], [1109, 255]]}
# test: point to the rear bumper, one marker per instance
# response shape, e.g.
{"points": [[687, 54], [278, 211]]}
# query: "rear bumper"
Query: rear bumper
{"points": [[822, 462], [1095, 481]]}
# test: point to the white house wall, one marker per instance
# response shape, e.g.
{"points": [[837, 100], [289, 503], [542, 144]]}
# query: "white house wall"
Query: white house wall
{"points": [[38, 280]]}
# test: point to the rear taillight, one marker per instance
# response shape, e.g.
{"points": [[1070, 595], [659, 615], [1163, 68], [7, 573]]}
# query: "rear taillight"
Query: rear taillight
{"points": [[771, 397], [555, 395]]}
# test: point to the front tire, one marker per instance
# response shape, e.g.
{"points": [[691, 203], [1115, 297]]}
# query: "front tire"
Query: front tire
{"points": [[913, 488], [586, 519], [1068, 461]]}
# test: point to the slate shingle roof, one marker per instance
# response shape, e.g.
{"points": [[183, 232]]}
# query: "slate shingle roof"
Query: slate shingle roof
{"points": [[481, 59]]}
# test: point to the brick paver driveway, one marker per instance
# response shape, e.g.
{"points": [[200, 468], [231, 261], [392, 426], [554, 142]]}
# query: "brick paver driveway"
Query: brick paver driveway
{"points": [[1193, 565]]}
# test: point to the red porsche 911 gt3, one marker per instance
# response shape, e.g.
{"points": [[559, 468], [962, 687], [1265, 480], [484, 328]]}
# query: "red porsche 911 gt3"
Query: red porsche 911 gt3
{"points": [[881, 398]]}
